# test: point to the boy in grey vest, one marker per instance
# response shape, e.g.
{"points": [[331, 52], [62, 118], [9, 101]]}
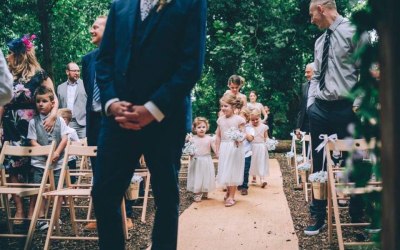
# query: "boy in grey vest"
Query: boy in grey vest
{"points": [[44, 98]]}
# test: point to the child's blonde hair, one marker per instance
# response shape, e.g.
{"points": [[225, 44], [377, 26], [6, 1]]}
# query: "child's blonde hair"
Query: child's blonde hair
{"points": [[65, 113], [246, 113], [199, 120], [236, 79], [231, 99], [255, 112]]}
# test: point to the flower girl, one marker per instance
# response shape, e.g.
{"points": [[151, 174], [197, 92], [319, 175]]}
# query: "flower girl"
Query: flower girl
{"points": [[201, 174], [259, 159], [229, 137]]}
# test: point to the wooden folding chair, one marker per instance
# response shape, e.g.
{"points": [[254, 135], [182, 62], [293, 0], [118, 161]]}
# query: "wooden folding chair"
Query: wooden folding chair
{"points": [[185, 161], [145, 174], [295, 160], [334, 182], [308, 156], [66, 189], [25, 189]]}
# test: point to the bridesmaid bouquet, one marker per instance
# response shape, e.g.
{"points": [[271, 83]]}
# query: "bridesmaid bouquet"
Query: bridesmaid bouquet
{"points": [[189, 148], [234, 134], [271, 143]]}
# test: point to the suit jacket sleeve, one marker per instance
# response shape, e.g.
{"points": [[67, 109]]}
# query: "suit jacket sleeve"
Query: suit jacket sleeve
{"points": [[303, 103], [105, 60], [192, 60], [6, 81]]}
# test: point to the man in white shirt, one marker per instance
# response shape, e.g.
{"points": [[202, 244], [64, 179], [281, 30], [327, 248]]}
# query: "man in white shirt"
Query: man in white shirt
{"points": [[72, 95]]}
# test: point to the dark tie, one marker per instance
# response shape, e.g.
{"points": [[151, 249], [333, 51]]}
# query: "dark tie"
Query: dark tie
{"points": [[325, 55], [96, 90]]}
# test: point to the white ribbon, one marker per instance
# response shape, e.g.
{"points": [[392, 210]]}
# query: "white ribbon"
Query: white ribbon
{"points": [[322, 145], [302, 135]]}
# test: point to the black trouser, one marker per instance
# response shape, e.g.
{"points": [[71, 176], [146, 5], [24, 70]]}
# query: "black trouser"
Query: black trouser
{"points": [[329, 117], [118, 151], [247, 163]]}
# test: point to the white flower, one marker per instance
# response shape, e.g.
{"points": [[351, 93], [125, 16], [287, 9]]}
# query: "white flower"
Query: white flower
{"points": [[305, 166], [136, 179], [321, 177], [189, 148], [289, 154], [271, 143], [234, 134]]}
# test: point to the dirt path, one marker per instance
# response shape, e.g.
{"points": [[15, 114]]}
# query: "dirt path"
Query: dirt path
{"points": [[260, 220]]}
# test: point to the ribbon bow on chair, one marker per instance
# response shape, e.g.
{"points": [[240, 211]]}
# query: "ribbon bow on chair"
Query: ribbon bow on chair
{"points": [[333, 138]]}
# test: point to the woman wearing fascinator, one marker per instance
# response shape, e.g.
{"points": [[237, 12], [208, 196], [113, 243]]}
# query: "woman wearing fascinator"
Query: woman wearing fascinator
{"points": [[15, 116]]}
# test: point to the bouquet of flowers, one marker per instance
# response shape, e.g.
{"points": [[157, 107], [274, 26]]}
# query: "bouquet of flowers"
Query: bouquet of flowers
{"points": [[189, 148], [271, 144], [299, 158], [136, 179], [305, 166], [19, 91], [289, 154], [321, 177], [234, 134]]}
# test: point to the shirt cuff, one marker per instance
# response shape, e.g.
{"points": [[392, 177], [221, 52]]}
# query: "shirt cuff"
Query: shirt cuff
{"points": [[154, 110], [310, 101], [108, 104]]}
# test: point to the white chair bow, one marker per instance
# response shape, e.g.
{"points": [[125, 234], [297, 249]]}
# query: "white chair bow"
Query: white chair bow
{"points": [[333, 138]]}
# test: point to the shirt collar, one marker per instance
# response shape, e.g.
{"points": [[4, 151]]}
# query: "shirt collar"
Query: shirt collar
{"points": [[336, 23], [43, 117], [72, 83]]}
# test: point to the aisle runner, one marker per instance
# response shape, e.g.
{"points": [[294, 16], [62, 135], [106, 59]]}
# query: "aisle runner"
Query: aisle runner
{"points": [[260, 220]]}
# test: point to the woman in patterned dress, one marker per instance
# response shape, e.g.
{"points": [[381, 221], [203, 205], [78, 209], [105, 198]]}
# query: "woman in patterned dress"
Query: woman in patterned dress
{"points": [[15, 116]]}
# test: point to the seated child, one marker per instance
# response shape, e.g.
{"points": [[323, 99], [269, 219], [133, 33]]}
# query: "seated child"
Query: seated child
{"points": [[66, 114], [44, 98]]}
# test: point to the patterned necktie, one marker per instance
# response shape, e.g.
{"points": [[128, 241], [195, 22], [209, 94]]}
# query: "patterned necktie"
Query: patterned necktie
{"points": [[325, 55], [96, 90], [145, 8]]}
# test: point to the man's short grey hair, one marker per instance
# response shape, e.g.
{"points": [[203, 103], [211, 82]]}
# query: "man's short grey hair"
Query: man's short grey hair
{"points": [[311, 65], [331, 4]]}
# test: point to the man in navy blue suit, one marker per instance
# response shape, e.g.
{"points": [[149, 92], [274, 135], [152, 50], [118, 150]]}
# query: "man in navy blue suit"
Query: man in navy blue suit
{"points": [[150, 57]]}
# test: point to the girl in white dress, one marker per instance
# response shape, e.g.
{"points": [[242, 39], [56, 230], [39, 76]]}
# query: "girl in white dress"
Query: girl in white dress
{"points": [[253, 104], [201, 174], [260, 158], [229, 137], [235, 83]]}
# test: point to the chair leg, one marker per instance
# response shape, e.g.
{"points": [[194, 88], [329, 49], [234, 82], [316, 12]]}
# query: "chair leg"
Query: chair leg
{"points": [[145, 198], [8, 214], [329, 213], [73, 215], [54, 217], [35, 216], [124, 225]]}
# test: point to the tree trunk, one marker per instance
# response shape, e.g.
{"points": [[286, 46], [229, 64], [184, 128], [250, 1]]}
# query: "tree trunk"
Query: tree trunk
{"points": [[390, 125], [45, 36]]}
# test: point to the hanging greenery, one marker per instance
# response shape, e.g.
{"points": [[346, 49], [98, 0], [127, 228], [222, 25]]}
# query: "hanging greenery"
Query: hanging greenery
{"points": [[366, 19]]}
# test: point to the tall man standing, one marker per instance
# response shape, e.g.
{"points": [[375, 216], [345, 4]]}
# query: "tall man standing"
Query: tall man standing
{"points": [[150, 57], [93, 106], [329, 110], [72, 95]]}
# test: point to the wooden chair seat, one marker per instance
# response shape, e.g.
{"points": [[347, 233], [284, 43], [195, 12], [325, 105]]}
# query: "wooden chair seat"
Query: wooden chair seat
{"points": [[19, 191], [69, 192]]}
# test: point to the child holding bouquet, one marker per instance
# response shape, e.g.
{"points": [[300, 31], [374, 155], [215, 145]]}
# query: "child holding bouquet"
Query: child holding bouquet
{"points": [[201, 174], [229, 137], [260, 158]]}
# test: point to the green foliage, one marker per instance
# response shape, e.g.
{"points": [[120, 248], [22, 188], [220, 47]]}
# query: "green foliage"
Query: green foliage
{"points": [[366, 18], [69, 22]]}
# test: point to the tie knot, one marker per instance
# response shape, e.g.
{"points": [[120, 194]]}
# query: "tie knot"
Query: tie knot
{"points": [[328, 32]]}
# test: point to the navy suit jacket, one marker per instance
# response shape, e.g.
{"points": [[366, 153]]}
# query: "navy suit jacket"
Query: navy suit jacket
{"points": [[167, 62], [88, 75]]}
